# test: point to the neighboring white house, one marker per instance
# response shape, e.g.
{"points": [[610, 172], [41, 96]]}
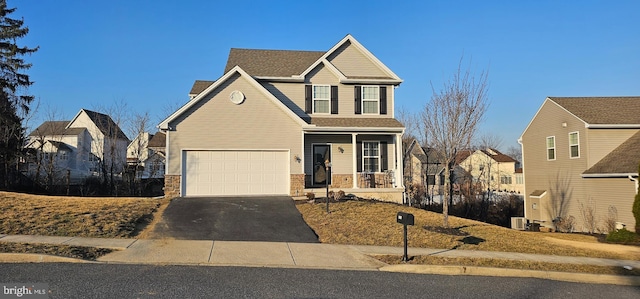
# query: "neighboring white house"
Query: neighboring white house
{"points": [[146, 154], [91, 144]]}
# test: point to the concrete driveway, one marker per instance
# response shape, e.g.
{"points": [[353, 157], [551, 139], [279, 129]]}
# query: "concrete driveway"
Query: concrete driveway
{"points": [[255, 218]]}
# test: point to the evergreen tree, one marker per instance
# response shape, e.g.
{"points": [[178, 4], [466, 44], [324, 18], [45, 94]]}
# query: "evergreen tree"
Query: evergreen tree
{"points": [[13, 81]]}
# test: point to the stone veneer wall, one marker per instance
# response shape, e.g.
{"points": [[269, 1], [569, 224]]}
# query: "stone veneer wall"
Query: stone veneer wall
{"points": [[297, 185], [171, 186], [342, 181]]}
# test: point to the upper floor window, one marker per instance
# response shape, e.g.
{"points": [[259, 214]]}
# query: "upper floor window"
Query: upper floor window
{"points": [[371, 156], [551, 148], [505, 179], [574, 145], [321, 98], [370, 99]]}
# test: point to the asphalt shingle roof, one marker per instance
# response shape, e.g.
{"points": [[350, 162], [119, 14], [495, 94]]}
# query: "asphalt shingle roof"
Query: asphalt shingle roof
{"points": [[624, 159], [158, 140], [55, 128], [106, 124], [272, 63], [602, 110], [200, 85]]}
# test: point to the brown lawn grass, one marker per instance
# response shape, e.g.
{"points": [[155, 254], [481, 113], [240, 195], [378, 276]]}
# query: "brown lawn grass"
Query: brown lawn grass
{"points": [[374, 223], [78, 252], [106, 217]]}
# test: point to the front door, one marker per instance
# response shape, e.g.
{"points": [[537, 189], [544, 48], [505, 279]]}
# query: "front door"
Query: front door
{"points": [[321, 155]]}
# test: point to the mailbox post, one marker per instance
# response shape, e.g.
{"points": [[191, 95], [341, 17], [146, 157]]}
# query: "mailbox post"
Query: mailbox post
{"points": [[405, 219]]}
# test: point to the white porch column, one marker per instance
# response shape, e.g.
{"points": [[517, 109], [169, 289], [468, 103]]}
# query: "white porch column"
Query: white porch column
{"points": [[354, 160], [399, 163]]}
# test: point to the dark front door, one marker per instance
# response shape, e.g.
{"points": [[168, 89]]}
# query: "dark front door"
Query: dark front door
{"points": [[321, 155]]}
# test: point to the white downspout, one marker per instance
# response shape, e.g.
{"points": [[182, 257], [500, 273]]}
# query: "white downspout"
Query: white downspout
{"points": [[636, 181]]}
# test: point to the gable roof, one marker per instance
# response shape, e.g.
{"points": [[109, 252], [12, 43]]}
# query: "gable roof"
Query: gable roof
{"points": [[602, 110], [55, 128], [104, 122], [164, 125], [295, 65], [598, 112], [271, 63], [622, 161]]}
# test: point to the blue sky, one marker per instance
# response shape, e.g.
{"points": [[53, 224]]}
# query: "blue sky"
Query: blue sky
{"points": [[148, 53]]}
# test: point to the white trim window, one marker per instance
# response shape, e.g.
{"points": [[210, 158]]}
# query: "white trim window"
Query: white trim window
{"points": [[574, 145], [370, 99], [321, 99], [371, 156], [551, 148]]}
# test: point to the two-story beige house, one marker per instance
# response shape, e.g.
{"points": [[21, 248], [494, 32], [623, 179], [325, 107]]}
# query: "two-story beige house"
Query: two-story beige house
{"points": [[491, 169], [289, 122], [580, 154]]}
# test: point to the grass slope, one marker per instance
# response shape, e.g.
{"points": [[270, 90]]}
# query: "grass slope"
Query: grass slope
{"points": [[106, 217], [374, 223]]}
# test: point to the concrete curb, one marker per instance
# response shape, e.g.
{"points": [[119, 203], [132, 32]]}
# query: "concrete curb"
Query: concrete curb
{"points": [[39, 258], [503, 272]]}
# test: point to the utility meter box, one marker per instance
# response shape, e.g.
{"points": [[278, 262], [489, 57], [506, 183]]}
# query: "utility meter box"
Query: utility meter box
{"points": [[404, 218]]}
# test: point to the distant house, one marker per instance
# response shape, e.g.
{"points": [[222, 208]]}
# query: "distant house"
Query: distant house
{"points": [[285, 122], [145, 154], [422, 166], [491, 168], [91, 144], [580, 157]]}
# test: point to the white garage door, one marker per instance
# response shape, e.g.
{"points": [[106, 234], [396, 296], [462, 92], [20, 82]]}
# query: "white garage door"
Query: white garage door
{"points": [[236, 173]]}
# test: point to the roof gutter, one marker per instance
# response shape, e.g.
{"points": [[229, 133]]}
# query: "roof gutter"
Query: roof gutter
{"points": [[354, 129], [609, 175], [612, 126], [371, 81]]}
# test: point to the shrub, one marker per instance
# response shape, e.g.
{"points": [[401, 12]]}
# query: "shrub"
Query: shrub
{"points": [[622, 236]]}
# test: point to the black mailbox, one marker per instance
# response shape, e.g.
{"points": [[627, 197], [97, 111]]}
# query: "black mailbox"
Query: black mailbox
{"points": [[404, 218]]}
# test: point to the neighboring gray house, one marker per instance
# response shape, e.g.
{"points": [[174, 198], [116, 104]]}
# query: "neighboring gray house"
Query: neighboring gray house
{"points": [[276, 118]]}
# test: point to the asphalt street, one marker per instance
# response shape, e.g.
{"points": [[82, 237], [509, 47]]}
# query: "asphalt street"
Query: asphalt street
{"points": [[138, 281], [251, 218]]}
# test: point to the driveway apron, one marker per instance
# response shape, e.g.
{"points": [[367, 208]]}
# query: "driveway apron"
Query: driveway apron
{"points": [[254, 218]]}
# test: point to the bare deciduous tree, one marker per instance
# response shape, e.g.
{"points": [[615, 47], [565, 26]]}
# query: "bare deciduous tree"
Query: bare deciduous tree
{"points": [[489, 140], [452, 116], [515, 152], [560, 193]]}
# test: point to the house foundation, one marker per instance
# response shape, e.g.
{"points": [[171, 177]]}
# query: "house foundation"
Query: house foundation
{"points": [[171, 186]]}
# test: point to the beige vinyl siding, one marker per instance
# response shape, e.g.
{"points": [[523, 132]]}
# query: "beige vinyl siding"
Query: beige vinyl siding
{"points": [[321, 75], [538, 171], [352, 63], [216, 123], [341, 162], [606, 192], [290, 94], [602, 141]]}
